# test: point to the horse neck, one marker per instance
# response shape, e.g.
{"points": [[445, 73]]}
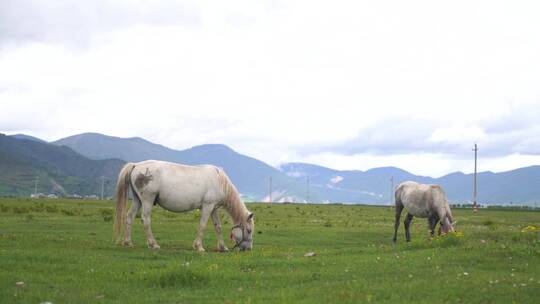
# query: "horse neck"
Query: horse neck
{"points": [[236, 208], [232, 202]]}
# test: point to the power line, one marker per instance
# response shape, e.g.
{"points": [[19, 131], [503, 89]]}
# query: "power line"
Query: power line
{"points": [[307, 190], [102, 186], [391, 190], [475, 207], [270, 189], [35, 185]]}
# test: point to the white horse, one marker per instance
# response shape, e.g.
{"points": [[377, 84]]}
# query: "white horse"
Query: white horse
{"points": [[425, 201], [180, 188]]}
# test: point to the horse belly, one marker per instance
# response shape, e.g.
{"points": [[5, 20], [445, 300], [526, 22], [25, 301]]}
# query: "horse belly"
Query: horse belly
{"points": [[186, 188], [180, 202], [418, 212], [417, 209]]}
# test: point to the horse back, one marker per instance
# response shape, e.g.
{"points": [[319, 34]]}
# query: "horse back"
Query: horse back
{"points": [[177, 184], [419, 199]]}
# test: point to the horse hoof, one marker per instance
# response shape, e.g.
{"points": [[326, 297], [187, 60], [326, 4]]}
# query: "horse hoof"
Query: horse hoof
{"points": [[154, 246], [200, 249], [128, 244], [223, 249]]}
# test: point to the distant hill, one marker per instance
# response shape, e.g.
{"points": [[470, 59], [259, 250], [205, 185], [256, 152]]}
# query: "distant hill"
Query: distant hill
{"points": [[248, 174], [516, 186], [28, 137], [352, 185], [59, 170], [99, 146]]}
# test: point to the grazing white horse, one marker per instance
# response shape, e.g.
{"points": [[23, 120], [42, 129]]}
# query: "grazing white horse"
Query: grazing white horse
{"points": [[180, 188], [425, 201]]}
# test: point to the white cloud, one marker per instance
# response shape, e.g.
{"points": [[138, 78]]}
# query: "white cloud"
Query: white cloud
{"points": [[391, 83], [336, 179], [457, 134]]}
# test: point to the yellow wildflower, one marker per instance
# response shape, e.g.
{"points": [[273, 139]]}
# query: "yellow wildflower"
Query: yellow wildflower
{"points": [[530, 228]]}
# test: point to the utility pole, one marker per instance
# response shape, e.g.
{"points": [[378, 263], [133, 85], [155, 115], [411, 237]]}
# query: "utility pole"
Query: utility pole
{"points": [[307, 190], [391, 190], [102, 186], [270, 189], [475, 207], [35, 185]]}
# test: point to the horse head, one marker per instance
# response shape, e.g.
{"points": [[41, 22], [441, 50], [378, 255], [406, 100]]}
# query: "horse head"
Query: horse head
{"points": [[447, 225], [242, 234]]}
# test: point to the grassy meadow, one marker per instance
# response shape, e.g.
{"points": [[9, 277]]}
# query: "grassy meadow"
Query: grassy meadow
{"points": [[63, 252]]}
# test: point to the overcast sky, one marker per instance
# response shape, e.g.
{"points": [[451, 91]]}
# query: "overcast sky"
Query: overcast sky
{"points": [[344, 84]]}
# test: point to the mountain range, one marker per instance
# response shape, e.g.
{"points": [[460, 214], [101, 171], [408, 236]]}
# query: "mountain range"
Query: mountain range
{"points": [[77, 164], [251, 176], [28, 164], [520, 186]]}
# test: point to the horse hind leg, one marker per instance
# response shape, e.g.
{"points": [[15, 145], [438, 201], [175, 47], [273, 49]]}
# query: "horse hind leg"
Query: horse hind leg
{"points": [[407, 224], [146, 216], [132, 213], [399, 209]]}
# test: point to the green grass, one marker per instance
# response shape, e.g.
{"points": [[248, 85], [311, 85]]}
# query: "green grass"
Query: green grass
{"points": [[62, 250]]}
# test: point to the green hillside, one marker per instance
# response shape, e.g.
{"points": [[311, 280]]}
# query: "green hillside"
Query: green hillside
{"points": [[58, 170]]}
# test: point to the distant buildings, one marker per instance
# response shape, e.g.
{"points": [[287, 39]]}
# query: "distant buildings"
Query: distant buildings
{"points": [[71, 196]]}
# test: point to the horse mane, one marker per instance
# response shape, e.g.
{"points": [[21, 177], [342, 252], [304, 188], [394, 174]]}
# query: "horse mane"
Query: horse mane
{"points": [[441, 195], [232, 202]]}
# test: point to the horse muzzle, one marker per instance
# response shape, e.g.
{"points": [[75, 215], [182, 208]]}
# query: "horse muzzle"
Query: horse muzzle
{"points": [[244, 245]]}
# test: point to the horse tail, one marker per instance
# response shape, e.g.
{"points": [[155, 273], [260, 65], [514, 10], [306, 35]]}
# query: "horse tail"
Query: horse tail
{"points": [[122, 186]]}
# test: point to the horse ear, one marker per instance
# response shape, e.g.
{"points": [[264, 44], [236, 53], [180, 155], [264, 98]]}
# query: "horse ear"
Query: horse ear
{"points": [[250, 216]]}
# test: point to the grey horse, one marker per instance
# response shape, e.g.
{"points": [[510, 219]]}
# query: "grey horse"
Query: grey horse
{"points": [[425, 201]]}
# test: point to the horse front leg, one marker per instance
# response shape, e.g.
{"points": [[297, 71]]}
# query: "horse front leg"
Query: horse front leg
{"points": [[146, 218], [205, 214], [217, 225], [407, 224], [432, 220]]}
